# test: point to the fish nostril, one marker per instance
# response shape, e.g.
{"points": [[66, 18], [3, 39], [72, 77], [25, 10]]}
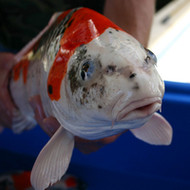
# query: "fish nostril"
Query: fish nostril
{"points": [[132, 75]]}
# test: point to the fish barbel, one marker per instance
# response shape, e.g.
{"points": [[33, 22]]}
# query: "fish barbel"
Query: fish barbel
{"points": [[95, 79]]}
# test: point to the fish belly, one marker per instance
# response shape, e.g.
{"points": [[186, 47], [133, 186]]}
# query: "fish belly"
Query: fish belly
{"points": [[22, 91]]}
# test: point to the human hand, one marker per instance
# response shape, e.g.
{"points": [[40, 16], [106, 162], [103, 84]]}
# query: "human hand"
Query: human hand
{"points": [[50, 125], [6, 104], [89, 146]]}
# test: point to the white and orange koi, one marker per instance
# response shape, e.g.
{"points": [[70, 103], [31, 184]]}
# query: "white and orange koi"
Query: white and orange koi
{"points": [[95, 79]]}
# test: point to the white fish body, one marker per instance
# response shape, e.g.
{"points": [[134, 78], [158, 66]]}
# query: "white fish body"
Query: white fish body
{"points": [[110, 84]]}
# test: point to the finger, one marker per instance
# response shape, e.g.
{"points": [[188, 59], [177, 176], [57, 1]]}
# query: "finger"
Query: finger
{"points": [[50, 125], [89, 146], [36, 105], [111, 139]]}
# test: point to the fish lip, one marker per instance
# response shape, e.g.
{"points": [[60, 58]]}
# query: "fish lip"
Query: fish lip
{"points": [[139, 109]]}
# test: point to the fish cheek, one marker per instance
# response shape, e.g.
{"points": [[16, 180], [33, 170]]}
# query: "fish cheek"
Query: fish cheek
{"points": [[84, 97], [90, 97], [86, 93]]}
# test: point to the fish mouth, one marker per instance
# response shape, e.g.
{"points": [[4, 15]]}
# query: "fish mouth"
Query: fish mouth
{"points": [[139, 109]]}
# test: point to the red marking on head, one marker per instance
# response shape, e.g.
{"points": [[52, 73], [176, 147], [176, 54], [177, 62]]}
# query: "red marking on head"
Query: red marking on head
{"points": [[86, 25], [21, 66]]}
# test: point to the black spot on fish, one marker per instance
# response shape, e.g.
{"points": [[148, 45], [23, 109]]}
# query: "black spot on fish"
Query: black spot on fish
{"points": [[81, 55], [110, 32], [70, 22], [132, 75], [136, 86], [63, 30], [99, 106], [84, 89], [111, 69], [100, 64], [50, 89], [84, 96], [94, 85], [81, 101], [102, 89]]}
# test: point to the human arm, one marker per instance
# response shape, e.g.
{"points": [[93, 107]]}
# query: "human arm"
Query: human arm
{"points": [[134, 16]]}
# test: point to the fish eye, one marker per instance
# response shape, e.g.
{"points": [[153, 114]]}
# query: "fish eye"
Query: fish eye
{"points": [[87, 70], [150, 56], [147, 59]]}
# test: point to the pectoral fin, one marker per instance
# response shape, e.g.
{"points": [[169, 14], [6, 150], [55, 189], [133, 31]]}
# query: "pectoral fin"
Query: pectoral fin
{"points": [[53, 160], [156, 131]]}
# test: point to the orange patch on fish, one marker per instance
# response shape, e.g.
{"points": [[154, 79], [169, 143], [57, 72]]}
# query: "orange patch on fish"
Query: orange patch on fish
{"points": [[83, 26], [22, 66]]}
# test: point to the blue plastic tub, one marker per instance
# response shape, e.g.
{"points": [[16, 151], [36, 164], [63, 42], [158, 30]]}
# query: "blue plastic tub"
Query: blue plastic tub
{"points": [[127, 163]]}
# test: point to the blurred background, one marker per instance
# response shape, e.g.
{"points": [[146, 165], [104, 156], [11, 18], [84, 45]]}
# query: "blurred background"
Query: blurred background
{"points": [[21, 20], [170, 40]]}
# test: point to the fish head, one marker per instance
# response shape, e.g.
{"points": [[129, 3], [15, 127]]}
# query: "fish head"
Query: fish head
{"points": [[115, 77], [112, 79]]}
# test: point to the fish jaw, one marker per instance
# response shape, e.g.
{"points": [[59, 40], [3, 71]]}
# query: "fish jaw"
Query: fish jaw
{"points": [[137, 109]]}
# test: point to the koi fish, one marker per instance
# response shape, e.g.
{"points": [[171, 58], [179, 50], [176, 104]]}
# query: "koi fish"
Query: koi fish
{"points": [[95, 79]]}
